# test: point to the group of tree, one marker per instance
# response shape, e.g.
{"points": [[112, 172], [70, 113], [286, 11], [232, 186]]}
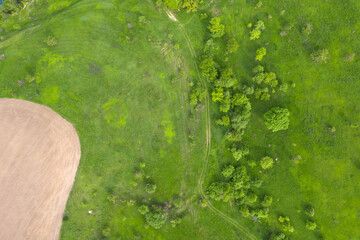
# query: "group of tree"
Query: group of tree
{"points": [[310, 223], [155, 216], [237, 187], [158, 215], [266, 81], [189, 5]]}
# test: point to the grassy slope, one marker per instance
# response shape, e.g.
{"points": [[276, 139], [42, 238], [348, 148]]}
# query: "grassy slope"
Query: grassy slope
{"points": [[99, 64]]}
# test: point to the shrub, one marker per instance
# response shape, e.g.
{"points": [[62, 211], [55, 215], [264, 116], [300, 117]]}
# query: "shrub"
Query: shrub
{"points": [[260, 53], [266, 162], [285, 224], [173, 4], [284, 87], [277, 119], [156, 217], [278, 236], [310, 225], [232, 45], [267, 201], [228, 171], [307, 29], [143, 209], [150, 188], [51, 41], [310, 211], [350, 57], [320, 56], [239, 153], [255, 34], [216, 28]]}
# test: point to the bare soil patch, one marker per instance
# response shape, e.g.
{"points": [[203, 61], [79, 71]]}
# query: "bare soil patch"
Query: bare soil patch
{"points": [[39, 156]]}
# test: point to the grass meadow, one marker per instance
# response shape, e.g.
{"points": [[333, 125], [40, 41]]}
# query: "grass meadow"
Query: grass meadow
{"points": [[120, 72]]}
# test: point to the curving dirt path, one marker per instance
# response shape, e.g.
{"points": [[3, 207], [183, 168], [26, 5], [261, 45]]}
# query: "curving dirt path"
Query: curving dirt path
{"points": [[39, 156], [236, 224]]}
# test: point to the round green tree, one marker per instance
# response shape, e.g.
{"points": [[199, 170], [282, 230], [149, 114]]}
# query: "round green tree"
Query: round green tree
{"points": [[277, 119], [310, 225], [266, 162]]}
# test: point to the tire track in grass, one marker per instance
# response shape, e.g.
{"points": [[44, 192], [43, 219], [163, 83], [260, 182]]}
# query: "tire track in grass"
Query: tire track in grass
{"points": [[236, 224]]}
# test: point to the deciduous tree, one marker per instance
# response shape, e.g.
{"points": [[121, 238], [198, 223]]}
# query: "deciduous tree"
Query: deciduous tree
{"points": [[277, 119]]}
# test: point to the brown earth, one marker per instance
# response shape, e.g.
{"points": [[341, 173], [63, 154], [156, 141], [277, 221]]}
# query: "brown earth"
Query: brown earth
{"points": [[39, 156]]}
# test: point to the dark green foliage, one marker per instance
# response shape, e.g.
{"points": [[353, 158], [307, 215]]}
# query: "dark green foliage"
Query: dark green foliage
{"points": [[259, 78], [258, 69], [266, 201], [310, 211], [150, 188], [278, 236], [232, 45], [277, 119]]}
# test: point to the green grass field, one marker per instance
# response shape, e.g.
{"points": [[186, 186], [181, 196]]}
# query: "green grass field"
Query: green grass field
{"points": [[120, 72]]}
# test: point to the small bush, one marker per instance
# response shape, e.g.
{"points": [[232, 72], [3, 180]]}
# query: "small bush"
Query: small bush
{"points": [[320, 56]]}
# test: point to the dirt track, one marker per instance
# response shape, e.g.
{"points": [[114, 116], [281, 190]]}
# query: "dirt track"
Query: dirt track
{"points": [[39, 156]]}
